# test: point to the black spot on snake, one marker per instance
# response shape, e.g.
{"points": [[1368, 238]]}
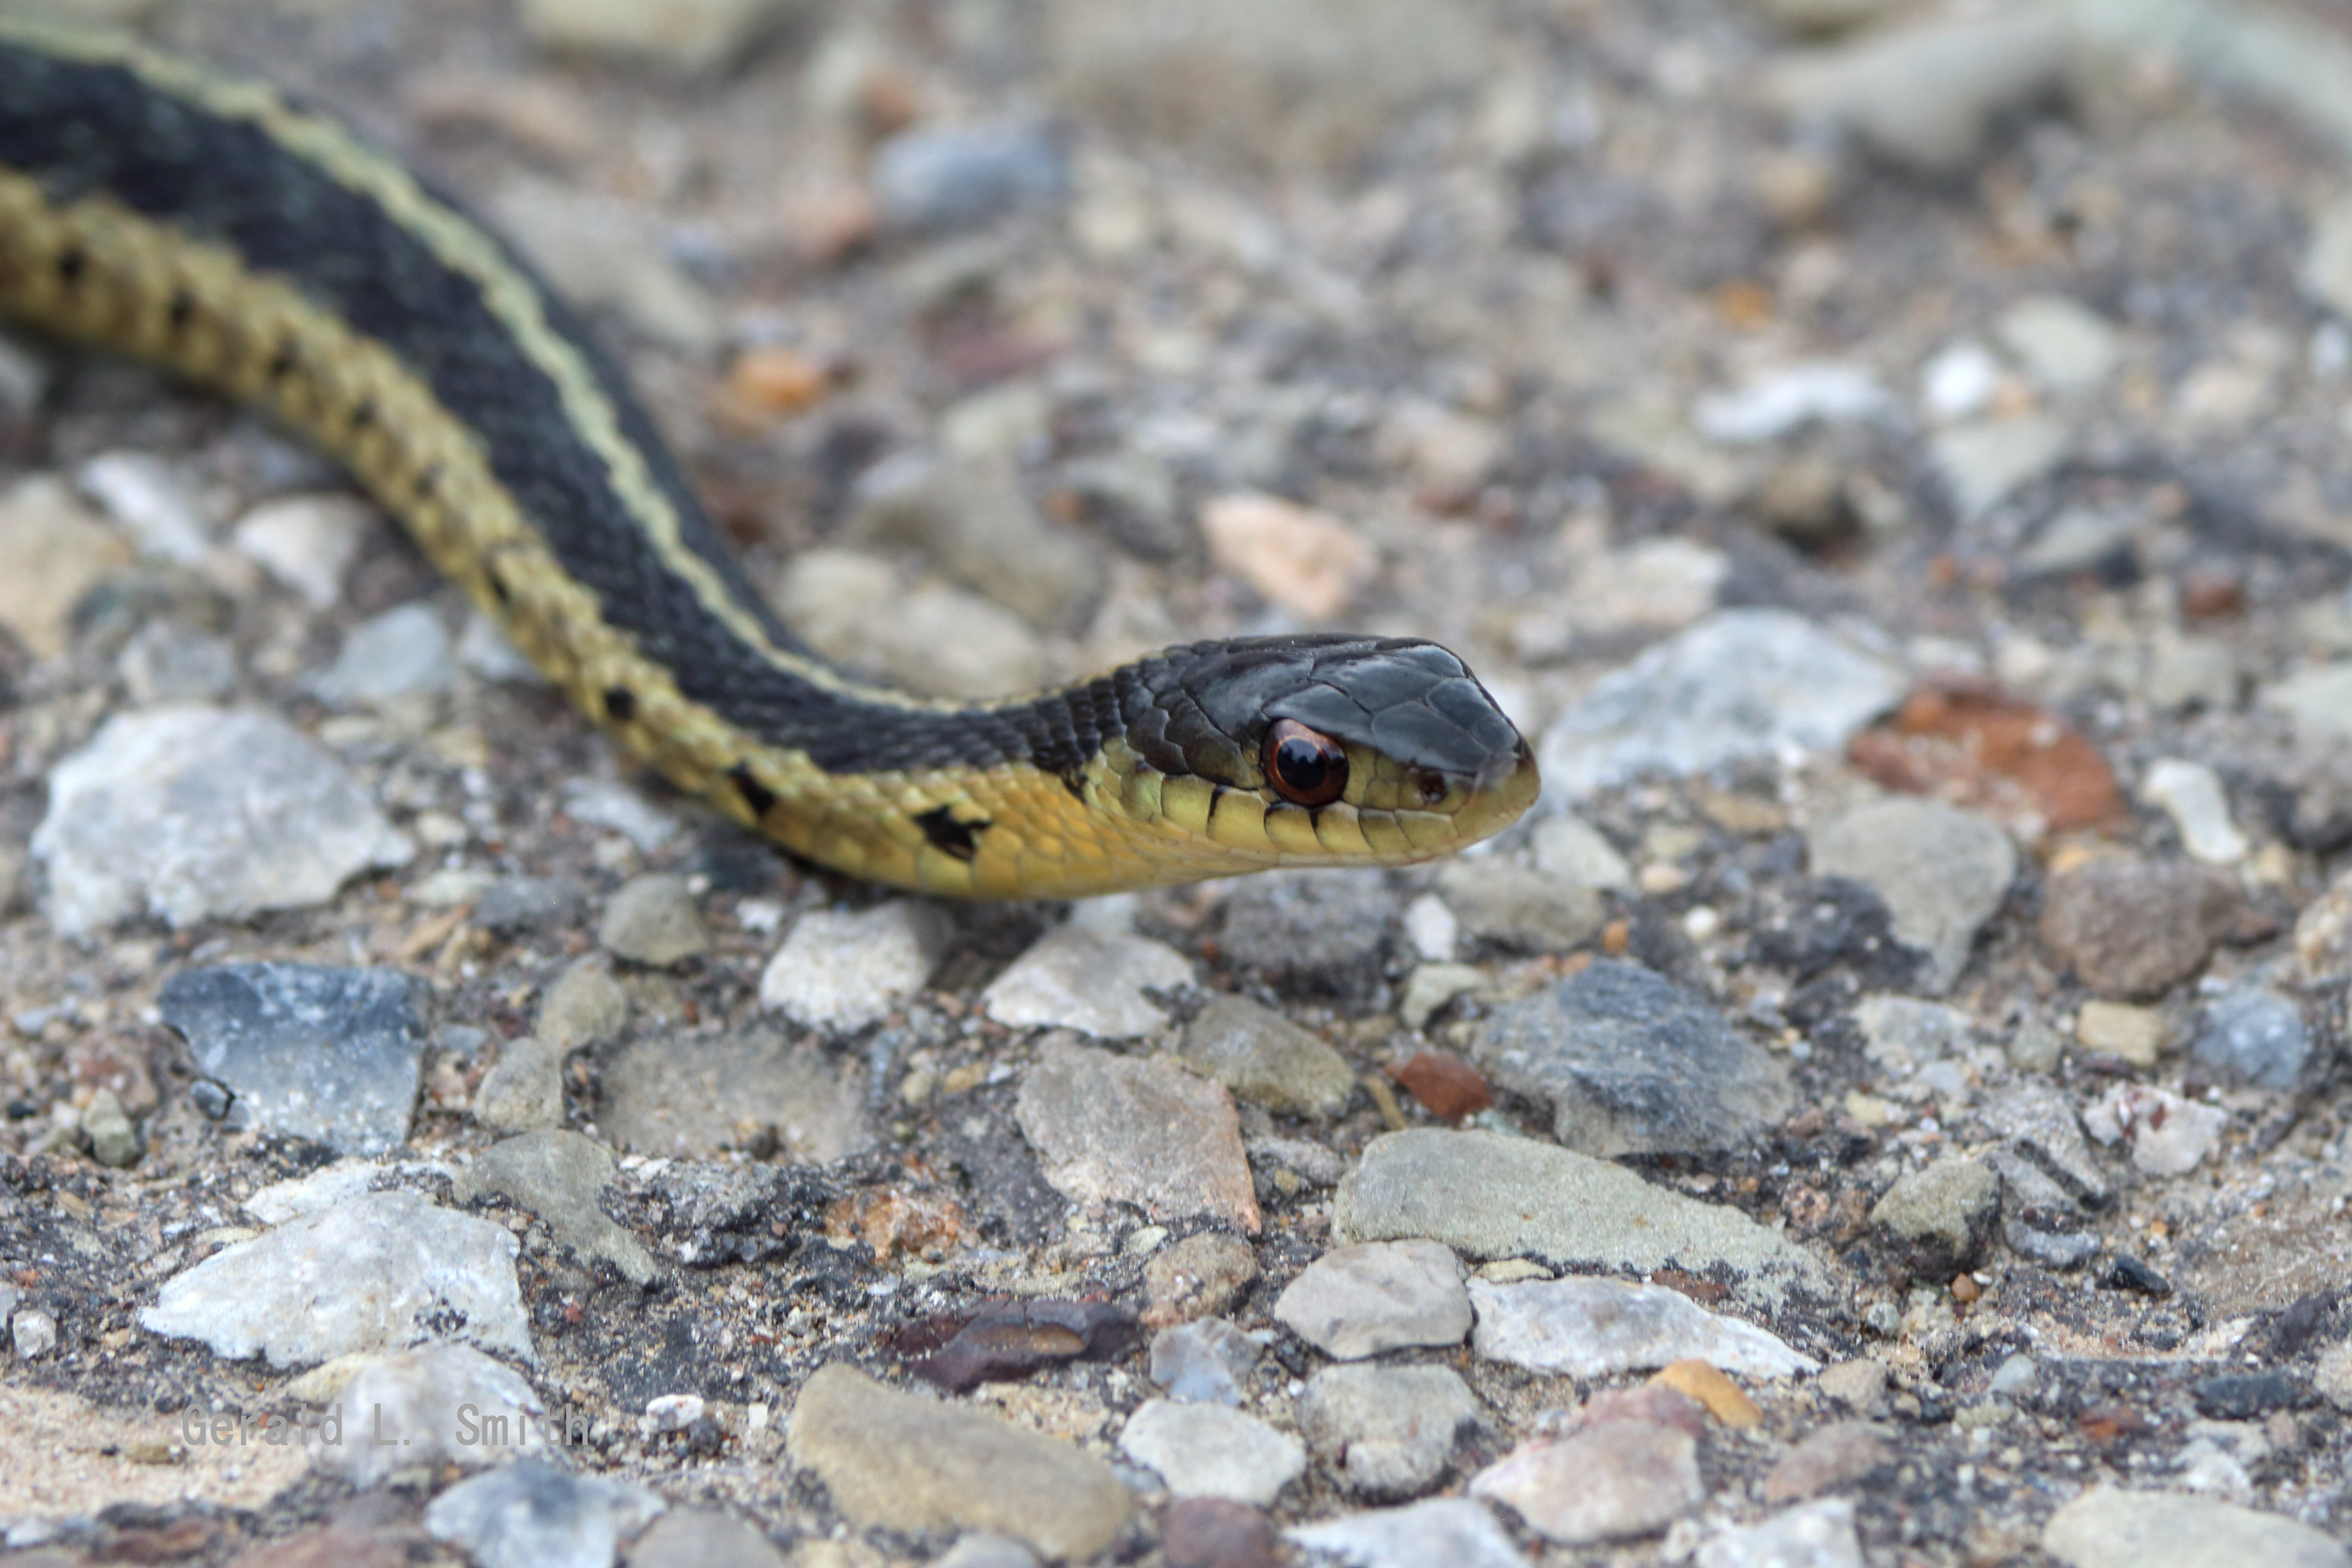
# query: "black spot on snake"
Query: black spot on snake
{"points": [[756, 796], [960, 839]]}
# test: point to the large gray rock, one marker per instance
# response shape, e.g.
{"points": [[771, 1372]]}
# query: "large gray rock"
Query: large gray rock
{"points": [[2107, 1527], [1940, 872]]}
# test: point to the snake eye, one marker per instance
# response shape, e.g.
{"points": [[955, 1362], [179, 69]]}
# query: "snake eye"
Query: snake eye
{"points": [[1307, 768]]}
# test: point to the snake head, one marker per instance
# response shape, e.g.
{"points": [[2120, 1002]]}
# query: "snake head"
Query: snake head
{"points": [[1322, 751]]}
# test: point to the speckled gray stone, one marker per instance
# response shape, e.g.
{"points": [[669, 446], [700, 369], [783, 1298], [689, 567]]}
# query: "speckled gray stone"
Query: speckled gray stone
{"points": [[1357, 1301], [2107, 1527], [530, 1514], [560, 1176], [1264, 1058], [1940, 871], [1389, 1430]]}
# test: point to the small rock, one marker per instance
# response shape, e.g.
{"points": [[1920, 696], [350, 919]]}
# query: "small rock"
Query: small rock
{"points": [[113, 1141], [705, 1096], [1200, 1277], [1520, 908], [1094, 982], [2039, 1122], [1202, 1362], [586, 1006], [1432, 986], [1984, 463], [530, 1514], [1569, 848], [2066, 346], [1359, 1302], [489, 654], [1631, 1063], [705, 1538], [2131, 928], [32, 1333], [1210, 1532], [1859, 1384], [935, 177], [1700, 1381], [1308, 563], [653, 920], [1904, 1034], [1819, 392], [2323, 932], [2107, 1527], [1432, 928], [1740, 684], [53, 549], [1817, 1535], [524, 1091], [2078, 540], [2118, 1029], [1000, 1343], [1114, 1129], [2190, 794], [1945, 1215], [377, 1272], [307, 541], [1606, 1483], [2168, 1135], [2190, 672], [839, 971], [439, 1404], [320, 1190], [1268, 1060], [1208, 1450], [1448, 1087], [561, 1177], [896, 1461], [403, 652], [2253, 1034], [1591, 1327], [194, 812], [2319, 702], [979, 1548], [607, 802], [334, 1055], [167, 662], [1306, 927], [1390, 1431], [1452, 1531], [1942, 873], [528, 905], [152, 501]]}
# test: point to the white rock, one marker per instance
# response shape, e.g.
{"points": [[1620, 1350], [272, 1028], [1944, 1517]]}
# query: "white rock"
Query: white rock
{"points": [[1454, 1531], [403, 652], [840, 972], [1090, 980], [2191, 794], [1208, 1450], [1432, 928], [1811, 1535], [1983, 463], [321, 1189], [1818, 392], [307, 541], [2168, 1134], [2064, 345], [149, 500], [1959, 380], [1594, 1327], [1572, 849], [438, 1404]]}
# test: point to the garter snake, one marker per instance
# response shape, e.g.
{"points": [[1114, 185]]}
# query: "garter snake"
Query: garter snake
{"points": [[209, 225]]}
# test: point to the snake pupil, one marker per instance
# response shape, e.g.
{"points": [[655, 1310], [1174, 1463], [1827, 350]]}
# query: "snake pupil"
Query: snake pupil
{"points": [[1307, 768]]}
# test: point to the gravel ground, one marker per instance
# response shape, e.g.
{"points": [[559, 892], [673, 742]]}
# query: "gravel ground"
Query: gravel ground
{"points": [[1885, 1106]]}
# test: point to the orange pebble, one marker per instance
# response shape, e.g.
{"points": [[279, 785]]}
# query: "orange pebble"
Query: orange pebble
{"points": [[1722, 1398], [777, 379]]}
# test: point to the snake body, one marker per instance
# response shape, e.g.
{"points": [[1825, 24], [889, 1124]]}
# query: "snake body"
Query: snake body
{"points": [[208, 225]]}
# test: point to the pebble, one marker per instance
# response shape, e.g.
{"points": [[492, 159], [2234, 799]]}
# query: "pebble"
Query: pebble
{"points": [[1357, 1301], [32, 1333], [1959, 380], [695, 36], [2039, 1122], [2108, 1527], [1432, 928], [520, 905], [1077, 977], [2191, 794], [524, 1090], [1448, 1087], [1941, 872], [1209, 1450], [1209, 1532], [1432, 986], [903, 1462], [653, 919], [1816, 1535], [1110, 1128], [1572, 849], [1985, 462], [192, 813], [1199, 1276], [2129, 929], [1903, 1034], [1748, 683], [420, 1409], [940, 177], [2190, 672], [333, 1055], [403, 652], [2168, 1135], [1606, 1483], [1389, 1430], [2066, 346], [839, 971], [165, 662], [1204, 1362], [1589, 1328], [705, 1538], [586, 1006], [2251, 1035], [377, 1272], [53, 549], [2078, 540], [114, 1140], [530, 1514], [1453, 1531], [306, 541], [1943, 1215], [1519, 909], [1268, 1060], [2127, 1033], [2319, 702], [600, 255], [149, 501], [1487, 1195], [1830, 1457], [971, 520], [1819, 392], [560, 1176], [1308, 563], [1306, 927], [706, 1096], [2323, 932], [1631, 1063]]}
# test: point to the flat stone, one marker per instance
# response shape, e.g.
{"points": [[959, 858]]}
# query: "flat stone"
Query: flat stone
{"points": [[1309, 929], [151, 499], [841, 972], [1205, 1363], [1112, 1128], [438, 1404], [1569, 848], [1903, 1034], [53, 549], [2130, 929], [2107, 1527], [1837, 1454], [526, 905], [2319, 702], [2191, 794], [974, 521], [1357, 1301], [1452, 1531], [403, 652], [1266, 1058], [1945, 1215], [560, 1176], [166, 662], [2040, 1124], [2168, 1135], [1091, 980], [2251, 1035], [1927, 94], [523, 1090], [1816, 1535], [2121, 1030], [694, 37], [1631, 1063], [903, 1462], [1940, 871], [1984, 462], [2190, 672], [377, 1272], [306, 541], [530, 1514], [194, 812], [1199, 1276], [1209, 1450], [1748, 683], [707, 1537], [653, 919], [586, 1006], [1591, 1327], [941, 176], [1389, 1430], [603, 253], [700, 1096], [1522, 908], [1605, 1483], [335, 1055], [1487, 1195], [2065, 345]]}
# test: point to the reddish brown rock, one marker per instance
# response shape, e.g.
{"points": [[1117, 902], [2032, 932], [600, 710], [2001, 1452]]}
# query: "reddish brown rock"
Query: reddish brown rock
{"points": [[1449, 1087], [2131, 928]]}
